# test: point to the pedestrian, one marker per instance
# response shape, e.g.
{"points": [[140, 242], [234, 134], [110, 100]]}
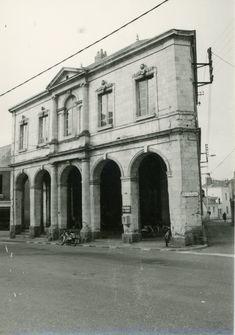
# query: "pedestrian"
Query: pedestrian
{"points": [[167, 236], [224, 217]]}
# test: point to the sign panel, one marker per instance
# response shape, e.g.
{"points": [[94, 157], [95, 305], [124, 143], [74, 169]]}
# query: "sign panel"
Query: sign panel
{"points": [[190, 194], [126, 209]]}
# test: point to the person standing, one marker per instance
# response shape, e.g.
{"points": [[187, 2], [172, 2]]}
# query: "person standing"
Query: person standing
{"points": [[224, 217]]}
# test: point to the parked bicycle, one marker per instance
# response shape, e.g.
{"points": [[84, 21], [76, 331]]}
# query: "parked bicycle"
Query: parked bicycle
{"points": [[70, 238]]}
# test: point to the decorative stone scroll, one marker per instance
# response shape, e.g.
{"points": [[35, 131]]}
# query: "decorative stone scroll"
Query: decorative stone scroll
{"points": [[144, 71], [105, 86]]}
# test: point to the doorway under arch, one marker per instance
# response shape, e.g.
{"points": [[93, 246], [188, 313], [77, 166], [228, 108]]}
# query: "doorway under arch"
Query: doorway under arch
{"points": [[43, 200], [71, 198], [110, 200], [154, 214], [22, 202]]}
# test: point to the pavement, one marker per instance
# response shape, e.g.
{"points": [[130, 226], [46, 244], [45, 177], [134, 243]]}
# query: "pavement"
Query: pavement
{"points": [[112, 243], [220, 236]]}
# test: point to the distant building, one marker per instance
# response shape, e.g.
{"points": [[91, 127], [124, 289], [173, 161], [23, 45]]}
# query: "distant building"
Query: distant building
{"points": [[113, 147], [5, 174], [217, 199], [231, 185]]}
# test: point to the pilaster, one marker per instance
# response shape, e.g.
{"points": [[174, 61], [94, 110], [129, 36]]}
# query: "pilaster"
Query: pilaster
{"points": [[130, 210], [34, 228], [54, 125], [54, 232], [86, 218], [95, 207], [12, 211]]}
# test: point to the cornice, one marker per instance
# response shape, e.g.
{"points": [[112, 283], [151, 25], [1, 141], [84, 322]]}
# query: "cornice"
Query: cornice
{"points": [[108, 61], [29, 101], [88, 148]]}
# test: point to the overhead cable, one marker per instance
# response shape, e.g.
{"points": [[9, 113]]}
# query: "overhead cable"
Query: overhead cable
{"points": [[223, 160], [85, 48], [223, 59]]}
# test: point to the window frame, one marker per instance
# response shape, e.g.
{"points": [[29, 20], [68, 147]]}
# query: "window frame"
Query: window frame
{"points": [[67, 111], [44, 139], [144, 74], [23, 138], [106, 90]]}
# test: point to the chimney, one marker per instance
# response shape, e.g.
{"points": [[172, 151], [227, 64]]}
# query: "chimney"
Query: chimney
{"points": [[100, 55]]}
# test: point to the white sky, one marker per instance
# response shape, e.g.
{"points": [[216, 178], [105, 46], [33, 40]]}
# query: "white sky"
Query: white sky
{"points": [[36, 34]]}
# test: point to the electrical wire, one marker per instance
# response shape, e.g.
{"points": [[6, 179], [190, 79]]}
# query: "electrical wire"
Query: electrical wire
{"points": [[223, 59], [85, 48], [223, 160]]}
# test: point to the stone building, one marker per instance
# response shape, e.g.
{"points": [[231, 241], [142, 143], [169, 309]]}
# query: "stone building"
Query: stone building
{"points": [[219, 190], [231, 185], [112, 147], [5, 174]]}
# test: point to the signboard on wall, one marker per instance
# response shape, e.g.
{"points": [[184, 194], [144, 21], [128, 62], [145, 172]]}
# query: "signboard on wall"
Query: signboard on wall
{"points": [[126, 209]]}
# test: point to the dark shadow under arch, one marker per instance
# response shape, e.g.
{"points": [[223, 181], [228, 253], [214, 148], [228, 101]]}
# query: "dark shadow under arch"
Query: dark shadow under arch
{"points": [[153, 194], [110, 200], [71, 197], [22, 201]]}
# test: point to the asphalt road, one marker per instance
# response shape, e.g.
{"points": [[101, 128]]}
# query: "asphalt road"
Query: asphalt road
{"points": [[77, 290]]}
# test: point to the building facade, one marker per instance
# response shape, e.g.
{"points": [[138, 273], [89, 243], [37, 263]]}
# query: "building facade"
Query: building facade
{"points": [[112, 147], [231, 185], [5, 175], [217, 198]]}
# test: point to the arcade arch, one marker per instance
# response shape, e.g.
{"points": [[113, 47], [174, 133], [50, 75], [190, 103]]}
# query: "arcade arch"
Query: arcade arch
{"points": [[107, 197], [42, 185], [149, 178], [71, 198], [22, 199]]}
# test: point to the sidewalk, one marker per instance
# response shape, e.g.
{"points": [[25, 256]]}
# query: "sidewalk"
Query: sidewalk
{"points": [[145, 245]]}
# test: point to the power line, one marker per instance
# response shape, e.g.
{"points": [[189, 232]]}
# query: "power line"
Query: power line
{"points": [[223, 160], [85, 48], [223, 59]]}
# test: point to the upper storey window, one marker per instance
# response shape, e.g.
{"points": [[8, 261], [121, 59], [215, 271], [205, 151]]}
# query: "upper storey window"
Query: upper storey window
{"points": [[68, 115], [145, 96], [145, 91], [23, 134], [43, 128], [105, 109], [105, 105]]}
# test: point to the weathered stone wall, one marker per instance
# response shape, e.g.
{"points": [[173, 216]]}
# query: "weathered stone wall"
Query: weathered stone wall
{"points": [[170, 132]]}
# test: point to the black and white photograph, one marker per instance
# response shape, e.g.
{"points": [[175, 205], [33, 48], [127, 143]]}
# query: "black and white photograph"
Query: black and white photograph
{"points": [[117, 167]]}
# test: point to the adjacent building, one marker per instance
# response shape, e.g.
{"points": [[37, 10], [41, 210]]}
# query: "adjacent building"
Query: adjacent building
{"points": [[112, 147], [231, 185], [5, 175], [217, 198]]}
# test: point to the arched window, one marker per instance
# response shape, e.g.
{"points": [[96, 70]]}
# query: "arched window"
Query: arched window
{"points": [[69, 115]]}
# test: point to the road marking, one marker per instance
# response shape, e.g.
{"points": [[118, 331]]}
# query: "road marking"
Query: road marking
{"points": [[206, 254]]}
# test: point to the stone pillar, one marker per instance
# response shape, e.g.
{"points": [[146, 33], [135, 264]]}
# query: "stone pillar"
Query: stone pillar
{"points": [[54, 126], [12, 209], [84, 129], [34, 228], [85, 111], [62, 206], [130, 210], [17, 210], [95, 208], [86, 219], [53, 230]]}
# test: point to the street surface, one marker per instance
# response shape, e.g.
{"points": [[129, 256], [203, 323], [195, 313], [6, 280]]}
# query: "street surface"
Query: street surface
{"points": [[54, 290]]}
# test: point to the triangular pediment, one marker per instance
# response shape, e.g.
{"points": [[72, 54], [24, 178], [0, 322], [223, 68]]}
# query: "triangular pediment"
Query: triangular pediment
{"points": [[63, 75]]}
